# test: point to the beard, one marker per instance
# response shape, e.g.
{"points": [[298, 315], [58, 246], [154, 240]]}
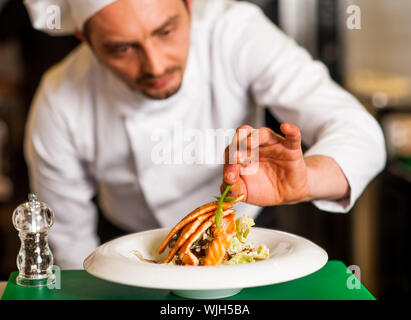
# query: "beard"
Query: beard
{"points": [[163, 94]]}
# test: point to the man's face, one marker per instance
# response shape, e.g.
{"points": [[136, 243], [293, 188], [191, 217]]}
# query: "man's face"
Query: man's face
{"points": [[144, 42]]}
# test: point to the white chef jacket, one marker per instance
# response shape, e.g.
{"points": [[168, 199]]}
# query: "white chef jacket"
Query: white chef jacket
{"points": [[88, 134]]}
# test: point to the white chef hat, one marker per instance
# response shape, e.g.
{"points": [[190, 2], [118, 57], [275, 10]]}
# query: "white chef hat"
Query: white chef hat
{"points": [[62, 17]]}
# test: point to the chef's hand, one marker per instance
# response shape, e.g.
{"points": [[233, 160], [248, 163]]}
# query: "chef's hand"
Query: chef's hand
{"points": [[280, 174]]}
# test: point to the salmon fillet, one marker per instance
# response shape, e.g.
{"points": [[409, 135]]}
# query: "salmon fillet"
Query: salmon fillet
{"points": [[199, 232], [206, 208], [221, 242], [187, 231], [209, 207]]}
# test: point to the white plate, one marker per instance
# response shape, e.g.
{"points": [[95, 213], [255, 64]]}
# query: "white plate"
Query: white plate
{"points": [[291, 257]]}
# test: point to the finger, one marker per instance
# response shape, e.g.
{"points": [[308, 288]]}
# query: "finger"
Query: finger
{"points": [[231, 173], [236, 189], [253, 139], [256, 138], [241, 137], [190, 4], [257, 142], [231, 155], [263, 137], [238, 145], [242, 133], [292, 136]]}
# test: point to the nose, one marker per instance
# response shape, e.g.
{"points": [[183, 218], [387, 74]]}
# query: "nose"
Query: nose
{"points": [[154, 62]]}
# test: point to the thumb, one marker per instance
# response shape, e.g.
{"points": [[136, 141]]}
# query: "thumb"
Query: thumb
{"points": [[236, 189]]}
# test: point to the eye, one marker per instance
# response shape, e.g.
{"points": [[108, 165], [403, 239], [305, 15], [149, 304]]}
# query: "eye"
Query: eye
{"points": [[123, 49], [165, 33]]}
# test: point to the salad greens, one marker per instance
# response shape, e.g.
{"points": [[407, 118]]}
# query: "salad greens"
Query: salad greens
{"points": [[243, 225], [241, 249]]}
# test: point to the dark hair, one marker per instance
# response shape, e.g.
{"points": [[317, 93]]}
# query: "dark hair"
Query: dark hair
{"points": [[87, 28]]}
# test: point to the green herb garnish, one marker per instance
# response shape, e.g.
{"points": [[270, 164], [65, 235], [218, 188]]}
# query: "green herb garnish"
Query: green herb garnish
{"points": [[218, 215], [226, 199]]}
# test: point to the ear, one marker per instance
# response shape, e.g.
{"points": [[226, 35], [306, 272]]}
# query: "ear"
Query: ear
{"points": [[80, 35]]}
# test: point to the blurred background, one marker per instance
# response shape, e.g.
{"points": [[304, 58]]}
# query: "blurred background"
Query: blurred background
{"points": [[372, 62]]}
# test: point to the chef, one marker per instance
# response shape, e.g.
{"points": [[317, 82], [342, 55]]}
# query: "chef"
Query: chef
{"points": [[129, 113]]}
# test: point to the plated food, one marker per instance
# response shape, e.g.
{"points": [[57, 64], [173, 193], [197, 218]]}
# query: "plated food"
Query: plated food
{"points": [[199, 239]]}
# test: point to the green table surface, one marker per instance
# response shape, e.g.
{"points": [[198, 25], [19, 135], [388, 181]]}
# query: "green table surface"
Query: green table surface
{"points": [[333, 282]]}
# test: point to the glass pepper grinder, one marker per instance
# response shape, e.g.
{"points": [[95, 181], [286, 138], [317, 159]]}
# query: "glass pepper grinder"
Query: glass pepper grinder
{"points": [[33, 219]]}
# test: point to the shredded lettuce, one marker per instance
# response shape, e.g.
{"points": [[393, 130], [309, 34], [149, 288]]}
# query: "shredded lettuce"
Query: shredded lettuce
{"points": [[243, 224], [241, 249], [236, 246], [262, 252], [240, 258]]}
